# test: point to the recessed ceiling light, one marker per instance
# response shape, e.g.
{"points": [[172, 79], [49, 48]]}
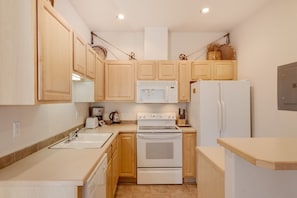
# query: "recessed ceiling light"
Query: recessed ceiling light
{"points": [[121, 16], [204, 10]]}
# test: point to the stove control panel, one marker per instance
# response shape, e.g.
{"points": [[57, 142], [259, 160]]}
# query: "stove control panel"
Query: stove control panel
{"points": [[156, 116]]}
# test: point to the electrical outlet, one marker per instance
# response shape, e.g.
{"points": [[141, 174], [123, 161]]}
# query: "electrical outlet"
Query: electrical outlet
{"points": [[76, 115], [16, 128]]}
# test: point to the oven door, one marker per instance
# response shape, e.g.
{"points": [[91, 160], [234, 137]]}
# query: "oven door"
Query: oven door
{"points": [[159, 150]]}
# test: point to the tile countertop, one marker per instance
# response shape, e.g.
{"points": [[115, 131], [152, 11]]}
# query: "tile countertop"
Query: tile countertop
{"points": [[271, 153], [60, 166]]}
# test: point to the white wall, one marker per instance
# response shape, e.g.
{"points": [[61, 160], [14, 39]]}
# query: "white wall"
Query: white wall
{"points": [[128, 111], [37, 123], [179, 42], [65, 8], [268, 39]]}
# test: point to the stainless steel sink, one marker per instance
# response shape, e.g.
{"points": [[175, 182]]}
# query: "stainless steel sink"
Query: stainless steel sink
{"points": [[83, 141]]}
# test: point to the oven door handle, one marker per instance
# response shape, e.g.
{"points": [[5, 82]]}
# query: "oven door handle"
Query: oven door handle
{"points": [[159, 137]]}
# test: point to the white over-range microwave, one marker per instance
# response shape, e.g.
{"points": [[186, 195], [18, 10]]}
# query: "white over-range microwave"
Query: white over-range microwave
{"points": [[156, 91]]}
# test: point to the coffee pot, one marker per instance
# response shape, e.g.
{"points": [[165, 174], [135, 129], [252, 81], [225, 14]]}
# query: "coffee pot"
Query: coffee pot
{"points": [[114, 117]]}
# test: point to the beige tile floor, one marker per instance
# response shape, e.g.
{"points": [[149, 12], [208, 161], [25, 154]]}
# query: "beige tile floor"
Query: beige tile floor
{"points": [[156, 191]]}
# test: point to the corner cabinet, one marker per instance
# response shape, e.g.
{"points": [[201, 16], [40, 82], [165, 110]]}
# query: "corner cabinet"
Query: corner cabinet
{"points": [[119, 81], [54, 55]]}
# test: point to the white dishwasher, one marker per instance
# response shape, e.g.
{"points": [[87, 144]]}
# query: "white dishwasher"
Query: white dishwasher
{"points": [[96, 184]]}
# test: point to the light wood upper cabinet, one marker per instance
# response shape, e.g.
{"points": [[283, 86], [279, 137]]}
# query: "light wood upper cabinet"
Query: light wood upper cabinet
{"points": [[201, 70], [184, 77], [167, 70], [157, 70], [225, 70], [91, 62], [189, 155], [214, 70], [99, 79], [40, 50], [80, 55], [146, 70], [120, 80], [54, 55], [127, 142]]}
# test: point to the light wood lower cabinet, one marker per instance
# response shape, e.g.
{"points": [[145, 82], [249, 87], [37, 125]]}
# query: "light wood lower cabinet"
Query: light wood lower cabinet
{"points": [[189, 155], [127, 143], [112, 171]]}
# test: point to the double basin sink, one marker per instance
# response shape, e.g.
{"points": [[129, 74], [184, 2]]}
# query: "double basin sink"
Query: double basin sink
{"points": [[83, 141]]}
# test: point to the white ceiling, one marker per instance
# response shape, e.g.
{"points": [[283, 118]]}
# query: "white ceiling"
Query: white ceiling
{"points": [[177, 15]]}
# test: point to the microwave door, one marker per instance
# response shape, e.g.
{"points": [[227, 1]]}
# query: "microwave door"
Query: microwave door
{"points": [[152, 95]]}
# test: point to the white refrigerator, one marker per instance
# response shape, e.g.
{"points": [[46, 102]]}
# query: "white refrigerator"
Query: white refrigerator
{"points": [[219, 109]]}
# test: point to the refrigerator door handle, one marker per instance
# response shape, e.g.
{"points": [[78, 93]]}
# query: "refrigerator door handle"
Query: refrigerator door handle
{"points": [[222, 117], [219, 117]]}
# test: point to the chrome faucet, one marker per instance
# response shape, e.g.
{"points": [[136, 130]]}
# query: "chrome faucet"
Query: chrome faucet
{"points": [[72, 135]]}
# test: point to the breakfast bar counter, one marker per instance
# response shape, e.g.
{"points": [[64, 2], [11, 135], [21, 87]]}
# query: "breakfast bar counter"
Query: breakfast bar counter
{"points": [[260, 167]]}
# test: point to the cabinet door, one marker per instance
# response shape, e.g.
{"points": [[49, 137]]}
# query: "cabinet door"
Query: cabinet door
{"points": [[201, 70], [79, 52], [91, 63], [99, 79], [55, 55], [120, 81], [224, 70], [189, 155], [146, 70], [184, 81], [167, 70], [127, 155]]}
